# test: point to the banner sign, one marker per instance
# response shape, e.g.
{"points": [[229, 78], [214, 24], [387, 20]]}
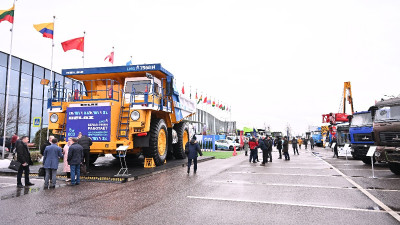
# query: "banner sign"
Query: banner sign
{"points": [[91, 121]]}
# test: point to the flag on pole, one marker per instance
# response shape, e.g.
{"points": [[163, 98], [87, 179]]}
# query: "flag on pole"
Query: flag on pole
{"points": [[205, 100], [47, 29], [129, 62], [201, 98], [183, 89], [209, 101], [7, 15], [110, 57], [196, 95], [77, 43], [213, 103]]}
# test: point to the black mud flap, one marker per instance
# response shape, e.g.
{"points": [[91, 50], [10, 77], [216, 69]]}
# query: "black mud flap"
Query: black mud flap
{"points": [[141, 142]]}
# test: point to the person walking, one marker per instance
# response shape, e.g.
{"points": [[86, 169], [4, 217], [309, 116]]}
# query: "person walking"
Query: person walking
{"points": [[253, 149], [24, 157], [50, 162], [300, 142], [67, 168], [85, 142], [246, 146], [335, 149], [269, 148], [263, 146], [285, 150], [279, 147], [75, 159], [294, 145], [193, 152], [305, 142], [312, 143]]}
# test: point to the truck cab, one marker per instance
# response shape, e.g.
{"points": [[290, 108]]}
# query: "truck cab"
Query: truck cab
{"points": [[361, 125], [386, 128], [342, 134]]}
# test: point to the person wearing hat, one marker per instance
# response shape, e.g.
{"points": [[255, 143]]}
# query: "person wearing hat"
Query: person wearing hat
{"points": [[193, 149]]}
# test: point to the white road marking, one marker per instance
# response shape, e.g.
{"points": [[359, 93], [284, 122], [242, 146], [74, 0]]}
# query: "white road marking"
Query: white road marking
{"points": [[369, 195], [301, 185], [286, 174], [307, 168], [285, 204]]}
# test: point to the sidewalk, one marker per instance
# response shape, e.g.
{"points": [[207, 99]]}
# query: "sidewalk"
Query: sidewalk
{"points": [[105, 168]]}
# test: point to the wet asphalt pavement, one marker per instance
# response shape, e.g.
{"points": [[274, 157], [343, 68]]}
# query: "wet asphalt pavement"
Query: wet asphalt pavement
{"points": [[308, 189]]}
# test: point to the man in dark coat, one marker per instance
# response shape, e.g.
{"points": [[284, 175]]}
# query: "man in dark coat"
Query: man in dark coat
{"points": [[50, 162], [264, 148], [312, 143], [75, 159], [294, 145], [285, 150], [193, 151], [279, 147], [24, 157], [269, 145], [305, 142], [85, 142]]}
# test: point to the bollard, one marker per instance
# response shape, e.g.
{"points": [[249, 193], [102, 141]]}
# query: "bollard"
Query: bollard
{"points": [[234, 151]]}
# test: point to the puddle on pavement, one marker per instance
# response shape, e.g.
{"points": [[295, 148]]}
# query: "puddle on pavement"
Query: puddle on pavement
{"points": [[25, 191]]}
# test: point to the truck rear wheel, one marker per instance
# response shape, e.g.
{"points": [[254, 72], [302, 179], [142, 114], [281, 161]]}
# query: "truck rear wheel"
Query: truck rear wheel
{"points": [[183, 137], [158, 142], [395, 168], [93, 158]]}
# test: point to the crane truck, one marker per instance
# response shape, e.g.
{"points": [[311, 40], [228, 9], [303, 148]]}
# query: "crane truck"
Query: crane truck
{"points": [[136, 106]]}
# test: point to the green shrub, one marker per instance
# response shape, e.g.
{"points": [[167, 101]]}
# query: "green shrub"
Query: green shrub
{"points": [[43, 140], [35, 156]]}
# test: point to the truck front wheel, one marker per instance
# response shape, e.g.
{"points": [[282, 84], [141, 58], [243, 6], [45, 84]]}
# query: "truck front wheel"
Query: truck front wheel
{"points": [[182, 131], [395, 168], [158, 142]]}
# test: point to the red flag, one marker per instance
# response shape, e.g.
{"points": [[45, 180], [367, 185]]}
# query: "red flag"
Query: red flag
{"points": [[183, 89], [77, 43], [196, 95], [205, 100], [110, 58]]}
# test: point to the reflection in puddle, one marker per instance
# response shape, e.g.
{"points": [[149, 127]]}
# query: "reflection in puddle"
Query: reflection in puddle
{"points": [[21, 192]]}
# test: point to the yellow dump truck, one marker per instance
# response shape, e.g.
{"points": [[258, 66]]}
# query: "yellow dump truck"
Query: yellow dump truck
{"points": [[136, 106]]}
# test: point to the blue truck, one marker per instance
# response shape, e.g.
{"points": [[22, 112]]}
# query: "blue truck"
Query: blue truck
{"points": [[317, 136], [361, 127]]}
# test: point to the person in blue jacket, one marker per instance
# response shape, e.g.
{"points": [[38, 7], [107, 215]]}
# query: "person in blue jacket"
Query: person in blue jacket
{"points": [[193, 149], [50, 162]]}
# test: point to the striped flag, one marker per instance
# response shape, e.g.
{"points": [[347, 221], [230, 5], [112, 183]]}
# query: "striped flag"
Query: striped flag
{"points": [[7, 15]]}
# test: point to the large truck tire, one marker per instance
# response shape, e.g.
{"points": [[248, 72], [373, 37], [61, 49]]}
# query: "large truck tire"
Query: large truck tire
{"points": [[158, 142], [93, 158], [183, 137], [170, 147], [395, 168], [368, 160]]}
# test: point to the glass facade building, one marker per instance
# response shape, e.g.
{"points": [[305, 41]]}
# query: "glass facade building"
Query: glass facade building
{"points": [[27, 96]]}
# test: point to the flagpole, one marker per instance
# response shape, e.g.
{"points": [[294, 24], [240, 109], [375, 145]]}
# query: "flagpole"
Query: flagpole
{"points": [[51, 72], [8, 86], [83, 52]]}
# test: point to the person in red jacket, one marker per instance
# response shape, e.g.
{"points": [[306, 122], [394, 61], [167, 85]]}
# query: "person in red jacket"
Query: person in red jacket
{"points": [[253, 149]]}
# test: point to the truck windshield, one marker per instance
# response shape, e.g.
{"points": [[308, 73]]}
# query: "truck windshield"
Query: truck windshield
{"points": [[391, 113], [138, 86], [360, 120]]}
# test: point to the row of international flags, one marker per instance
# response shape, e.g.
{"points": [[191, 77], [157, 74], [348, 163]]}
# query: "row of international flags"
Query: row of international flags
{"points": [[47, 30]]}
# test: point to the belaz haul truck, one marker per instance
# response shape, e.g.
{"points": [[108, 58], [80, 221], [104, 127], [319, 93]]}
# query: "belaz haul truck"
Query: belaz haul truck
{"points": [[135, 106]]}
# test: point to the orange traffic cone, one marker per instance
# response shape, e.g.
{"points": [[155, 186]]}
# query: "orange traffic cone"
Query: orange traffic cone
{"points": [[234, 151]]}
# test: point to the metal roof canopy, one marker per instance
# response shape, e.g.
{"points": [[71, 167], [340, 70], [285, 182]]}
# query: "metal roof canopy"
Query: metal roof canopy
{"points": [[117, 72]]}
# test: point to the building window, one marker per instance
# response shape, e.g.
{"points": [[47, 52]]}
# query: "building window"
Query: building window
{"points": [[24, 110], [45, 113], [26, 82], [14, 83], [37, 89], [3, 59], [3, 74], [15, 63], [26, 67], [23, 130]]}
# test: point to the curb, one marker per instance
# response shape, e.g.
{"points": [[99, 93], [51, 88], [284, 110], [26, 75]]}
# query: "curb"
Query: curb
{"points": [[102, 179]]}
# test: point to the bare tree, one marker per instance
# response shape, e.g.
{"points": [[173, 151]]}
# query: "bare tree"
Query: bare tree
{"points": [[12, 118]]}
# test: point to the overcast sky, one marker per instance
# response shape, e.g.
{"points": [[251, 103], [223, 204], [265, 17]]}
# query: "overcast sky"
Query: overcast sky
{"points": [[275, 62]]}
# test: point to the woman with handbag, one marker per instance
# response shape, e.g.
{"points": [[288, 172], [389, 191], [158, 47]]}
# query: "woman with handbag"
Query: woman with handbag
{"points": [[67, 168], [24, 157]]}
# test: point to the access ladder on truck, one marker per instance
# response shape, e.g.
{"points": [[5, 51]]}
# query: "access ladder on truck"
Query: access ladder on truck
{"points": [[123, 123]]}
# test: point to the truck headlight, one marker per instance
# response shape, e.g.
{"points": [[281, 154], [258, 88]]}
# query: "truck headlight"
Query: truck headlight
{"points": [[54, 118], [135, 115]]}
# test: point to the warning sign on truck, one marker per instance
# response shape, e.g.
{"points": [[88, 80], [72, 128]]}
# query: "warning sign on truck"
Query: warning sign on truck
{"points": [[91, 121]]}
